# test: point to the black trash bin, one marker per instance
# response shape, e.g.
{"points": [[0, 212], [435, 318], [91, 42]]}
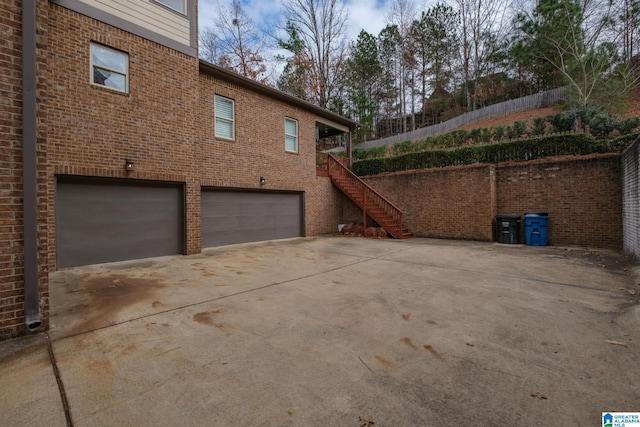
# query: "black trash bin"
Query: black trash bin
{"points": [[508, 228]]}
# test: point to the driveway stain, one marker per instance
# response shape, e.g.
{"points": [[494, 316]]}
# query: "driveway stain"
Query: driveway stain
{"points": [[407, 341], [102, 298], [433, 351], [203, 318], [384, 362]]}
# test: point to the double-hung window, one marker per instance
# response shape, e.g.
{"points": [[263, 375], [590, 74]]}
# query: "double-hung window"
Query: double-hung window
{"points": [[291, 135], [224, 125], [177, 5], [109, 67]]}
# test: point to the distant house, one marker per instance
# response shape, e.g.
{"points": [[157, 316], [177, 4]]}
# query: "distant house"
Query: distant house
{"points": [[134, 148]]}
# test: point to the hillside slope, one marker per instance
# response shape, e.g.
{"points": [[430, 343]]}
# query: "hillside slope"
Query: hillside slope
{"points": [[631, 109]]}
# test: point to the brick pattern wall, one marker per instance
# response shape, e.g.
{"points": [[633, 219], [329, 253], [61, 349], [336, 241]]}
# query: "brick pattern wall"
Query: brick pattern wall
{"points": [[582, 195], [164, 123], [442, 203], [631, 199], [323, 208], [258, 150], [12, 320], [92, 129]]}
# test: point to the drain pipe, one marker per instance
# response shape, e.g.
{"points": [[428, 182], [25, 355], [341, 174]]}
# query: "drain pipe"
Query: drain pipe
{"points": [[29, 167]]}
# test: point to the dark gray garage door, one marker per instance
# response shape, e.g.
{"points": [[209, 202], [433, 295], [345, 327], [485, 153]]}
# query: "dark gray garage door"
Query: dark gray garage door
{"points": [[102, 221], [230, 217]]}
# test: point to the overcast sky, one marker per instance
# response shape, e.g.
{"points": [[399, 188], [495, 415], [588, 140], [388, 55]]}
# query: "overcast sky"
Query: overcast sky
{"points": [[363, 14]]}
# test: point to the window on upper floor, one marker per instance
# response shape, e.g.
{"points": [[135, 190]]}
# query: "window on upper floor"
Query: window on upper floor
{"points": [[177, 5], [110, 68], [291, 135], [224, 113]]}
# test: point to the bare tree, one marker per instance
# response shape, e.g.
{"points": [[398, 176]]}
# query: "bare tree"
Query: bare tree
{"points": [[628, 27], [234, 42], [482, 25], [321, 27], [402, 14], [208, 45], [433, 35]]}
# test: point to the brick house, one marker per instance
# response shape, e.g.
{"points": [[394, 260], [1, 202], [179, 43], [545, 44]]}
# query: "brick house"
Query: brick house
{"points": [[119, 143]]}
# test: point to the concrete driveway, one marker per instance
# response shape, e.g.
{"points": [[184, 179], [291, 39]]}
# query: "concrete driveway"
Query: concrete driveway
{"points": [[335, 331]]}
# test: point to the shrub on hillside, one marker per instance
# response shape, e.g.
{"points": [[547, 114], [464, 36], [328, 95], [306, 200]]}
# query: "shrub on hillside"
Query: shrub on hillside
{"points": [[523, 150], [518, 129], [601, 125], [539, 126], [403, 147], [369, 153], [627, 126], [562, 122], [498, 133]]}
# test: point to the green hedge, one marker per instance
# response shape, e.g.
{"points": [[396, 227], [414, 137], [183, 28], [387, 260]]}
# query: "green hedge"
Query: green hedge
{"points": [[519, 151], [601, 126], [621, 143], [368, 153]]}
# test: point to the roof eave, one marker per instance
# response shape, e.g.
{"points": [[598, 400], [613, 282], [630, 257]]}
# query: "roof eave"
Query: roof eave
{"points": [[233, 77]]}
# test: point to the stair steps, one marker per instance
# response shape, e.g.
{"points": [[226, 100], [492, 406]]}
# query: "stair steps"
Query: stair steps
{"points": [[372, 203]]}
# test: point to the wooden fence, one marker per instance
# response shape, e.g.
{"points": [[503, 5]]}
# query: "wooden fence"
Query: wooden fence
{"points": [[538, 100]]}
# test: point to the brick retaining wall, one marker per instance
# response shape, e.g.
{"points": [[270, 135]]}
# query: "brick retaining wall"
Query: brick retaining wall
{"points": [[582, 195]]}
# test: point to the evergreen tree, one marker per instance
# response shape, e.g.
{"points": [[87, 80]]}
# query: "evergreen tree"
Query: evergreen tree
{"points": [[435, 43], [388, 41], [364, 71], [295, 78]]}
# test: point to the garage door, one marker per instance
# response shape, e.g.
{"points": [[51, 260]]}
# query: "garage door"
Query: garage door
{"points": [[230, 217], [101, 221]]}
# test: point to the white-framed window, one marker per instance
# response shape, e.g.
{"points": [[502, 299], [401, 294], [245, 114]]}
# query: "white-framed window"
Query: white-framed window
{"points": [[109, 68], [224, 112], [291, 135], [177, 5]]}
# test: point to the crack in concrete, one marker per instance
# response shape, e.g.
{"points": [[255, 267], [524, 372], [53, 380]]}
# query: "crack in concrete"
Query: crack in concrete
{"points": [[56, 373], [246, 291]]}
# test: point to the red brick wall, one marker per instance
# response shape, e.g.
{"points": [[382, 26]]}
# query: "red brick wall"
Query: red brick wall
{"points": [[92, 129], [164, 123], [445, 203], [12, 320], [582, 195], [258, 150]]}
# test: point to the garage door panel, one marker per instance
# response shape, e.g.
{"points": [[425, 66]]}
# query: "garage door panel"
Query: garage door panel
{"points": [[99, 221], [230, 217]]}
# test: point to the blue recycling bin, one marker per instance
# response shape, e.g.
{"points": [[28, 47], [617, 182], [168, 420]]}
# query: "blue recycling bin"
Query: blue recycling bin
{"points": [[536, 225]]}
